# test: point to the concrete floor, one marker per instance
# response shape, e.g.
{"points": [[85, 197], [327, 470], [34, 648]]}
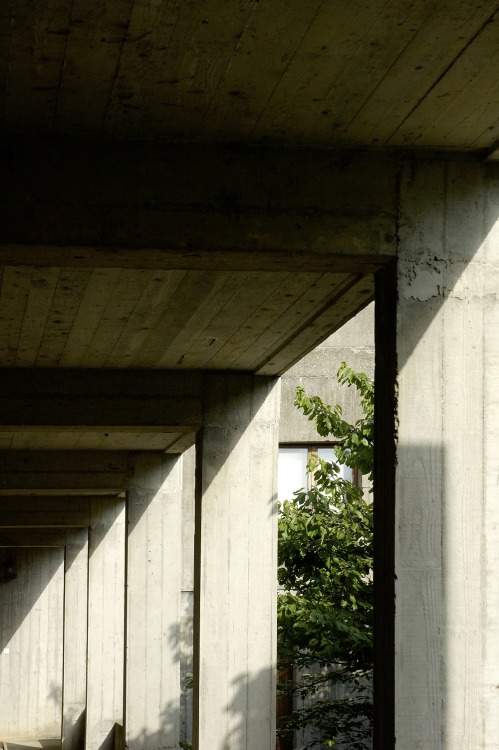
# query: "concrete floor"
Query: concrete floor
{"points": [[19, 743]]}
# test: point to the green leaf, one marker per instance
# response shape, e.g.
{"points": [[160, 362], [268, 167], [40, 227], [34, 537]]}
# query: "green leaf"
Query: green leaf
{"points": [[325, 566]]}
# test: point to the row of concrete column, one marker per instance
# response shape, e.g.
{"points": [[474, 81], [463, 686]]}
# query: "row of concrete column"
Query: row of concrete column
{"points": [[446, 646], [446, 530], [235, 586]]}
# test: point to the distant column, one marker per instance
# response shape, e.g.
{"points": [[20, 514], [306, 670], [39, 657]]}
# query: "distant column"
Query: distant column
{"points": [[75, 638], [154, 539], [106, 621], [236, 560]]}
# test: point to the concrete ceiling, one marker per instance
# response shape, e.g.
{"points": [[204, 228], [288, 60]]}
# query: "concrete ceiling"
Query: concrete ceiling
{"points": [[154, 319], [147, 257], [325, 73], [117, 256]]}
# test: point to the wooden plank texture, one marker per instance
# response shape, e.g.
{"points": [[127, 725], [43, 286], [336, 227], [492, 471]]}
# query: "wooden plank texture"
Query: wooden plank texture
{"points": [[195, 56], [35, 44], [265, 49], [309, 73], [94, 302], [14, 299], [191, 291], [66, 300], [162, 319], [142, 60], [258, 288], [451, 112], [93, 51], [310, 294], [355, 294]]}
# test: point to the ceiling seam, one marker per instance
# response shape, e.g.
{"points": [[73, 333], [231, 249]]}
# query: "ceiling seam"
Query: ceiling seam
{"points": [[446, 70]]}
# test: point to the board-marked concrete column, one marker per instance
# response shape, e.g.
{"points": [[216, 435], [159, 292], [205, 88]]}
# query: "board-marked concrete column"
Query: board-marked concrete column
{"points": [[236, 531], [106, 622], [447, 517], [153, 598]]}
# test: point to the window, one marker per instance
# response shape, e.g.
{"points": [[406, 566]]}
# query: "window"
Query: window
{"points": [[292, 468]]}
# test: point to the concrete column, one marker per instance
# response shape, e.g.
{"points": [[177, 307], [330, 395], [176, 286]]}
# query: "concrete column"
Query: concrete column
{"points": [[236, 565], [153, 599], [31, 634], [106, 621], [75, 639], [187, 593], [447, 514]]}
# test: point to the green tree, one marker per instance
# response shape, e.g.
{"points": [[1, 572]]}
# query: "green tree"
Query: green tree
{"points": [[325, 624]]}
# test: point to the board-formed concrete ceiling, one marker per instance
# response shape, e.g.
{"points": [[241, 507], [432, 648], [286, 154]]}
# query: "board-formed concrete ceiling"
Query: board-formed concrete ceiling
{"points": [[326, 73], [119, 318], [158, 257], [187, 186]]}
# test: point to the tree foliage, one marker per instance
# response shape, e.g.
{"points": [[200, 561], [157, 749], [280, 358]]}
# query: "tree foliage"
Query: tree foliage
{"points": [[325, 568]]}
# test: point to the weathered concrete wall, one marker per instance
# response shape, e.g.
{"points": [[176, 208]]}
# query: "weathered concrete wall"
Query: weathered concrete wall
{"points": [[447, 525], [316, 373]]}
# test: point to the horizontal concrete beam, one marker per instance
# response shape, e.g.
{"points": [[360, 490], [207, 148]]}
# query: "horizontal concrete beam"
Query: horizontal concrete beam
{"points": [[208, 207], [43, 514], [79, 398], [105, 437], [202, 257], [34, 537], [82, 472]]}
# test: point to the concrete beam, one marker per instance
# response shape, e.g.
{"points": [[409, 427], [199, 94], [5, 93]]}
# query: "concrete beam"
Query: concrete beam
{"points": [[64, 472], [29, 536], [204, 208], [125, 398], [60, 512]]}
